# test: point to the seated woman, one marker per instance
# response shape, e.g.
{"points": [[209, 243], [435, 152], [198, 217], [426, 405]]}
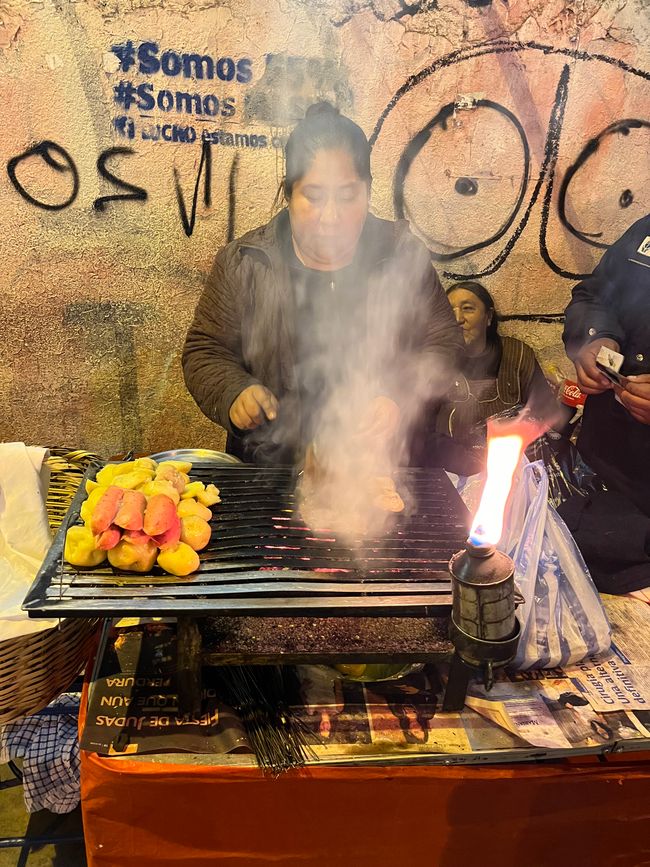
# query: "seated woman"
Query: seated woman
{"points": [[498, 372]]}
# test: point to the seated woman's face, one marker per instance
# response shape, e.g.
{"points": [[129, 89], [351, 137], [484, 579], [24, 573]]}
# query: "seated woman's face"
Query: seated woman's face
{"points": [[328, 208], [472, 316]]}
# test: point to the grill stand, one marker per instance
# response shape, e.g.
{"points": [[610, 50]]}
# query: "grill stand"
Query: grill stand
{"points": [[188, 644], [272, 641]]}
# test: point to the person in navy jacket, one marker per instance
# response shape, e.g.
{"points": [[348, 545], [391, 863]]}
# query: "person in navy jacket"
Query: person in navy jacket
{"points": [[611, 308]]}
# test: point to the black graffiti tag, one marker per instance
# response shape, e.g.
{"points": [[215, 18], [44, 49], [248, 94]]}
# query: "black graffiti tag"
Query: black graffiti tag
{"points": [[60, 160], [465, 186], [548, 168], [621, 127], [46, 150], [134, 193]]}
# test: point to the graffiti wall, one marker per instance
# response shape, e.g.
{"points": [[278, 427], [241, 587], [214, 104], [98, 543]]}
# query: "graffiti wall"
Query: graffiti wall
{"points": [[141, 135]]}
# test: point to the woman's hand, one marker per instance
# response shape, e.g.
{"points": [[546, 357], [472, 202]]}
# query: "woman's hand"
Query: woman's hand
{"points": [[253, 407], [590, 379], [379, 420], [635, 397]]}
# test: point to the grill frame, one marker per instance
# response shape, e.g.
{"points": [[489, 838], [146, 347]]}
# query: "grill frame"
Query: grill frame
{"points": [[63, 590]]}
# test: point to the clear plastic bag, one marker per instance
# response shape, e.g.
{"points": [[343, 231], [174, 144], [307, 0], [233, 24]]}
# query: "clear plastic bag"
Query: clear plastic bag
{"points": [[562, 618]]}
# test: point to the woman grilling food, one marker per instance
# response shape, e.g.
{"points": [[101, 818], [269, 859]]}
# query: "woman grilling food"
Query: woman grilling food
{"points": [[326, 323]]}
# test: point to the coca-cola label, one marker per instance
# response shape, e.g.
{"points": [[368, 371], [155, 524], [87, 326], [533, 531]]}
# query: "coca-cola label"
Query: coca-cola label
{"points": [[571, 394]]}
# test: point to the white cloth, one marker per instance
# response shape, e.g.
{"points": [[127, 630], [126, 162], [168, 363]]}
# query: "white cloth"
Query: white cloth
{"points": [[24, 534]]}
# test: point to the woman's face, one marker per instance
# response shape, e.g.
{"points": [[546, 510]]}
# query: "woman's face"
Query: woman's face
{"points": [[472, 316], [328, 208]]}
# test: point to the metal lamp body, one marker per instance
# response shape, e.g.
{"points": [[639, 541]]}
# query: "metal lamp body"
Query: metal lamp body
{"points": [[484, 628]]}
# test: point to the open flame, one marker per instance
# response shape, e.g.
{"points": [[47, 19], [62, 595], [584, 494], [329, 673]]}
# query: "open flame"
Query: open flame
{"points": [[502, 459], [506, 441]]}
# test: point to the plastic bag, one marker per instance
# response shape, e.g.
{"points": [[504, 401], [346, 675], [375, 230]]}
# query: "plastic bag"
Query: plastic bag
{"points": [[562, 618], [567, 473]]}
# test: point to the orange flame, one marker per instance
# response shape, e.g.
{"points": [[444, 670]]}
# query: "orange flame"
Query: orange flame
{"points": [[506, 442], [502, 460]]}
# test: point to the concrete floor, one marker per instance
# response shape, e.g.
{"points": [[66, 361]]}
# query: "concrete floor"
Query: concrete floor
{"points": [[16, 822]]}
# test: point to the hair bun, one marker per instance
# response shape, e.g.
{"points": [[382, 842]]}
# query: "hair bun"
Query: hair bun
{"points": [[322, 109]]}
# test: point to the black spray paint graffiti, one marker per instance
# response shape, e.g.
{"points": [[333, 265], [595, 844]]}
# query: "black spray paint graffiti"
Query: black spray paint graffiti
{"points": [[464, 186], [622, 127], [467, 186], [57, 158], [48, 150], [205, 172]]}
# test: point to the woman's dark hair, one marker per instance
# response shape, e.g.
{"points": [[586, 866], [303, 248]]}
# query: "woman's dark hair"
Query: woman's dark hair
{"points": [[324, 128], [478, 289]]}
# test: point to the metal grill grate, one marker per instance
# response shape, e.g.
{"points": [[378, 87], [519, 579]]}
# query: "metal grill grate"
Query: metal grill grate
{"points": [[263, 560]]}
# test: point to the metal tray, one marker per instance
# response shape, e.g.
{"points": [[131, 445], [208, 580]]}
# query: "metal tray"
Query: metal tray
{"points": [[203, 456]]}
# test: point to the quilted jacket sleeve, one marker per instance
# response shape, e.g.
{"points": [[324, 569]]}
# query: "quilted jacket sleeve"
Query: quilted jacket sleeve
{"points": [[212, 357]]}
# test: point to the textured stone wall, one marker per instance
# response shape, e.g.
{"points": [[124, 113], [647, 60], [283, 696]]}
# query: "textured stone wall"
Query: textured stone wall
{"points": [[515, 137]]}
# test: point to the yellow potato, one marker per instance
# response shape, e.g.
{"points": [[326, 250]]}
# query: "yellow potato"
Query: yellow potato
{"points": [[146, 464], [80, 548], [171, 475], [181, 466], [195, 532], [189, 506], [209, 496], [192, 490], [133, 557], [106, 475], [181, 560], [160, 486], [131, 480]]}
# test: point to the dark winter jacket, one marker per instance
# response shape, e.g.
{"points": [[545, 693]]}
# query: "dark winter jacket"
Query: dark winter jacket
{"points": [[615, 302], [244, 328], [506, 375]]}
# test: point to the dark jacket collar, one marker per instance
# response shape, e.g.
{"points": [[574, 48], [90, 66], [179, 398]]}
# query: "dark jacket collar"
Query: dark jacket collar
{"points": [[379, 238]]}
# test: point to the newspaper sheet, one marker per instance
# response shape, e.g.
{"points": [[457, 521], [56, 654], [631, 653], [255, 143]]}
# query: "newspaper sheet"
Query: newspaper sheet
{"points": [[552, 713], [520, 709], [385, 718], [133, 707], [621, 679]]}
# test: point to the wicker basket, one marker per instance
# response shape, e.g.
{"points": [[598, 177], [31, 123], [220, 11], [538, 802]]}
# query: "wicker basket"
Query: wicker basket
{"points": [[35, 668]]}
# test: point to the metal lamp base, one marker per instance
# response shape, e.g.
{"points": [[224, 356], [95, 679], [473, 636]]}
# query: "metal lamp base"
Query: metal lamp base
{"points": [[472, 657]]}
